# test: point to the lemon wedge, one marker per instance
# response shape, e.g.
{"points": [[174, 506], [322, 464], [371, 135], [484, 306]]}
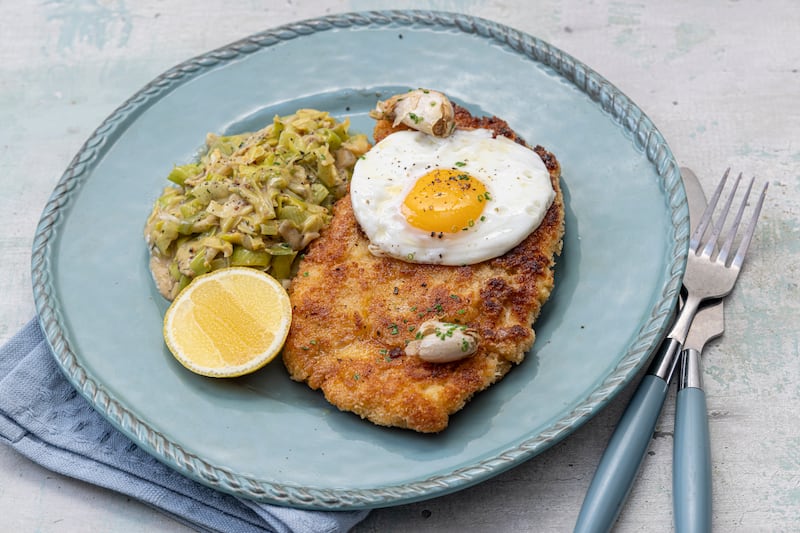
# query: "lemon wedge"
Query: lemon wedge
{"points": [[229, 322]]}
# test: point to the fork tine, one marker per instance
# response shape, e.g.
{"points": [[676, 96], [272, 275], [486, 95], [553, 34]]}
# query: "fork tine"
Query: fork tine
{"points": [[751, 228], [694, 242], [708, 249], [726, 247]]}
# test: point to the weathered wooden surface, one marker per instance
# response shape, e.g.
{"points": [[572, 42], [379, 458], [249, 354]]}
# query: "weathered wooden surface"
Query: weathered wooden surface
{"points": [[719, 78]]}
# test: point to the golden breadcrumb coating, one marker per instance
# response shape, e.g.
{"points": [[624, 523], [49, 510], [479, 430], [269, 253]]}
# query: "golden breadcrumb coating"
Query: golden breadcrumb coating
{"points": [[354, 313]]}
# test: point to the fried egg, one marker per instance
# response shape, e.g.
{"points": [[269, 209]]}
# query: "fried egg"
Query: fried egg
{"points": [[456, 200]]}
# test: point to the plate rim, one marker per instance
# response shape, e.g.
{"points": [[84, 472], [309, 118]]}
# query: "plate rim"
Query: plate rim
{"points": [[622, 110]]}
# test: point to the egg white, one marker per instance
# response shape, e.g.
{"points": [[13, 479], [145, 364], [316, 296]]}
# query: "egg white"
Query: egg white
{"points": [[515, 177]]}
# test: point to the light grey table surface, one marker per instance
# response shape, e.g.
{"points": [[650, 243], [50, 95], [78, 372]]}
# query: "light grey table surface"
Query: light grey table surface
{"points": [[720, 79]]}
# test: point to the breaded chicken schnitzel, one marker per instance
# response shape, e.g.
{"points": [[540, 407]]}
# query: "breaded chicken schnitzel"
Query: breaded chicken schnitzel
{"points": [[354, 313]]}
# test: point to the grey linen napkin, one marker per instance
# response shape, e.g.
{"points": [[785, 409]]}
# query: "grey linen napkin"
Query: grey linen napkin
{"points": [[44, 418]]}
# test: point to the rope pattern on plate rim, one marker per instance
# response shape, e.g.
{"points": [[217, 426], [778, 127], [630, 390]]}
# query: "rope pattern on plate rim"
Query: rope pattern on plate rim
{"points": [[644, 136]]}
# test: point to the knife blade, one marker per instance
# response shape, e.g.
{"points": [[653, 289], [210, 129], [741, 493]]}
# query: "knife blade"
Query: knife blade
{"points": [[713, 318], [713, 312], [626, 449], [691, 460]]}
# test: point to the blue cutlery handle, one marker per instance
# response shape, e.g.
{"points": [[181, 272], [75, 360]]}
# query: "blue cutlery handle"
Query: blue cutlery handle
{"points": [[691, 479], [618, 467]]}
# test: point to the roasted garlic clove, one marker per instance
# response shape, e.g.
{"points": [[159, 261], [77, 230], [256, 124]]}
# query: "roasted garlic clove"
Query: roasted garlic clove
{"points": [[421, 109], [443, 342]]}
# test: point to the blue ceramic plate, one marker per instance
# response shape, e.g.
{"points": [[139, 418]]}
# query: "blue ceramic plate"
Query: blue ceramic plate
{"points": [[267, 438]]}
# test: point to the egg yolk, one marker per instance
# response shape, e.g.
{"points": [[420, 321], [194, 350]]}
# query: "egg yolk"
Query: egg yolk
{"points": [[445, 201]]}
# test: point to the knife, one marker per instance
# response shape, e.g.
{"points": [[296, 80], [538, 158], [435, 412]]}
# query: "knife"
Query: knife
{"points": [[691, 463], [626, 449]]}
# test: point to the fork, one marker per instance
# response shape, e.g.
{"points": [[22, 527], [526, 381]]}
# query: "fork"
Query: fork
{"points": [[711, 273]]}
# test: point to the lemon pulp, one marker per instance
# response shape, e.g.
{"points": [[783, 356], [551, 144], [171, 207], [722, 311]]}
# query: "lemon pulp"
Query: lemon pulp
{"points": [[228, 323]]}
